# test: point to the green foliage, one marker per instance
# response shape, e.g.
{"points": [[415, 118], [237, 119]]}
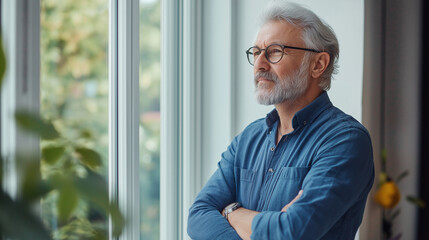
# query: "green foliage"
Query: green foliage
{"points": [[402, 176], [75, 184], [68, 198], [417, 201], [51, 154], [33, 187], [34, 124], [389, 215], [89, 157], [74, 98], [17, 220]]}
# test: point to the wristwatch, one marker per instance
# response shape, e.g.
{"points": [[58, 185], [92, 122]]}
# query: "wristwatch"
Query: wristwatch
{"points": [[230, 208]]}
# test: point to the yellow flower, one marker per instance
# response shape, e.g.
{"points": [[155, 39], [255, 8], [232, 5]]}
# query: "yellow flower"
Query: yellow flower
{"points": [[388, 195]]}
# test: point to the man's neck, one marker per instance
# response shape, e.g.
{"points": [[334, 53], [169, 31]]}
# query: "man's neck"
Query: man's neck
{"points": [[287, 110]]}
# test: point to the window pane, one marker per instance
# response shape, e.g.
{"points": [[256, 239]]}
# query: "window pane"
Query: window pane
{"points": [[74, 94], [150, 76]]}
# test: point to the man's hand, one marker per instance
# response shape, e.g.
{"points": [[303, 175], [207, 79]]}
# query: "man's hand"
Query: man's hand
{"points": [[291, 202], [241, 219]]}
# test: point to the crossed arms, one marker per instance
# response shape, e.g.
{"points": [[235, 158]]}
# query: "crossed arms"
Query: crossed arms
{"points": [[241, 219], [335, 190]]}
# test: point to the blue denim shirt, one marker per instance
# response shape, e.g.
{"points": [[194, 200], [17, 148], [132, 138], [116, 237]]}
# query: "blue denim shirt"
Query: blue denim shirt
{"points": [[328, 155]]}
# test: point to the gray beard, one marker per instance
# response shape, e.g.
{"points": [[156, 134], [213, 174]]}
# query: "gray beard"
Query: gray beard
{"points": [[288, 89]]}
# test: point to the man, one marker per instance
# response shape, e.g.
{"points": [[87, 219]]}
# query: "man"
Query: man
{"points": [[303, 172]]}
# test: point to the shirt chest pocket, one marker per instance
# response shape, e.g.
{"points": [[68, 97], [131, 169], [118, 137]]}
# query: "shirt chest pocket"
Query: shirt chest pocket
{"points": [[245, 186], [287, 186]]}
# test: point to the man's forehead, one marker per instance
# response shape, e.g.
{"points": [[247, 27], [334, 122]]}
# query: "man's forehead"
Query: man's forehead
{"points": [[278, 31]]}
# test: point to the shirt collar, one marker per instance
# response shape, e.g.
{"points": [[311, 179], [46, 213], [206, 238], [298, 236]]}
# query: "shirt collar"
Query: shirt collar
{"points": [[304, 116]]}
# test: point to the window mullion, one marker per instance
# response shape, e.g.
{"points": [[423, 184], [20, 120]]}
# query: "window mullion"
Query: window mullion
{"points": [[20, 90], [181, 114], [170, 208], [124, 112], [192, 112]]}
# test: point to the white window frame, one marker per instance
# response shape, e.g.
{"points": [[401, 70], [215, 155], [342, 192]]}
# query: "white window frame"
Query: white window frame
{"points": [[124, 113], [181, 106], [20, 26]]}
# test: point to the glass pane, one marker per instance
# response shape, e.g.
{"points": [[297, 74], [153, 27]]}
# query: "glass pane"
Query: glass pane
{"points": [[74, 95], [150, 76]]}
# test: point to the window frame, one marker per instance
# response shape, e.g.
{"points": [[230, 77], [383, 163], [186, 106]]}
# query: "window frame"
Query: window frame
{"points": [[182, 114], [124, 113], [20, 28]]}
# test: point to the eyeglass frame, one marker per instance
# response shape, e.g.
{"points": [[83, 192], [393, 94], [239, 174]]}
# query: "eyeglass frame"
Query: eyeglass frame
{"points": [[248, 53]]}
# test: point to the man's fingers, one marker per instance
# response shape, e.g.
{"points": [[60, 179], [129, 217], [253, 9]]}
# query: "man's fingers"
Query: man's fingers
{"points": [[294, 200]]}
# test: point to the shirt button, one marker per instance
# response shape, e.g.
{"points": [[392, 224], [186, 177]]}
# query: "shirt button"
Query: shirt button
{"points": [[305, 122], [270, 170], [272, 149]]}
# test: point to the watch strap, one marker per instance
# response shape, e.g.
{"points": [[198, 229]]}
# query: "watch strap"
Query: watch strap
{"points": [[230, 208]]}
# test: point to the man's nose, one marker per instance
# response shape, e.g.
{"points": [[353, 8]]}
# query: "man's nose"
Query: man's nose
{"points": [[261, 63]]}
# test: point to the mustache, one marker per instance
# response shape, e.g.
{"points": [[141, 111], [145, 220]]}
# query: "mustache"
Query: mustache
{"points": [[267, 75]]}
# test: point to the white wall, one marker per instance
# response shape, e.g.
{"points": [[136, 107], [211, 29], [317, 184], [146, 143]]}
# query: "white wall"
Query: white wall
{"points": [[346, 89]]}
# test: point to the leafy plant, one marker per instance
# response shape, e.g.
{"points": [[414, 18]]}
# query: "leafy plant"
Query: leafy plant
{"points": [[388, 196], [72, 179]]}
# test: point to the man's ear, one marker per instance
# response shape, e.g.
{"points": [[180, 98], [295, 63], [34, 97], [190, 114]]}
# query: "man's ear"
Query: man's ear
{"points": [[320, 63]]}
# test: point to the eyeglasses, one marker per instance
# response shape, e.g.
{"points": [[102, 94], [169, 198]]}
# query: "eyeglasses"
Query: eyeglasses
{"points": [[273, 53]]}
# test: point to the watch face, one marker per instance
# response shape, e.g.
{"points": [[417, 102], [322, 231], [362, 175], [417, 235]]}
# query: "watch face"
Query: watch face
{"points": [[232, 205], [230, 208]]}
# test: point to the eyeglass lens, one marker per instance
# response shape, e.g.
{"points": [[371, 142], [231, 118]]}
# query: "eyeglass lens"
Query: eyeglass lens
{"points": [[273, 52]]}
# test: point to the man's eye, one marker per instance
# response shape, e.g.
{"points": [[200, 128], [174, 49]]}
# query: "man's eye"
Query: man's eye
{"points": [[274, 51], [256, 53]]}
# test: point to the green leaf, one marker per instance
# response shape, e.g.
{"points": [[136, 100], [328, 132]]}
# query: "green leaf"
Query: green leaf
{"points": [[2, 62], [382, 178], [89, 157], [1, 171], [33, 187], [100, 234], [402, 176], [395, 214], [86, 134], [34, 124], [383, 158], [18, 222], [117, 219], [417, 201], [67, 201], [94, 188], [51, 154]]}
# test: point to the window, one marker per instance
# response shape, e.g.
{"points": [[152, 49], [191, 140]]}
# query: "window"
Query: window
{"points": [[150, 118], [99, 97], [74, 88]]}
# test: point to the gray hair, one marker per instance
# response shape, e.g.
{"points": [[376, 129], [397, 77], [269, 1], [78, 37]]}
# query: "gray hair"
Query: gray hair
{"points": [[316, 34]]}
